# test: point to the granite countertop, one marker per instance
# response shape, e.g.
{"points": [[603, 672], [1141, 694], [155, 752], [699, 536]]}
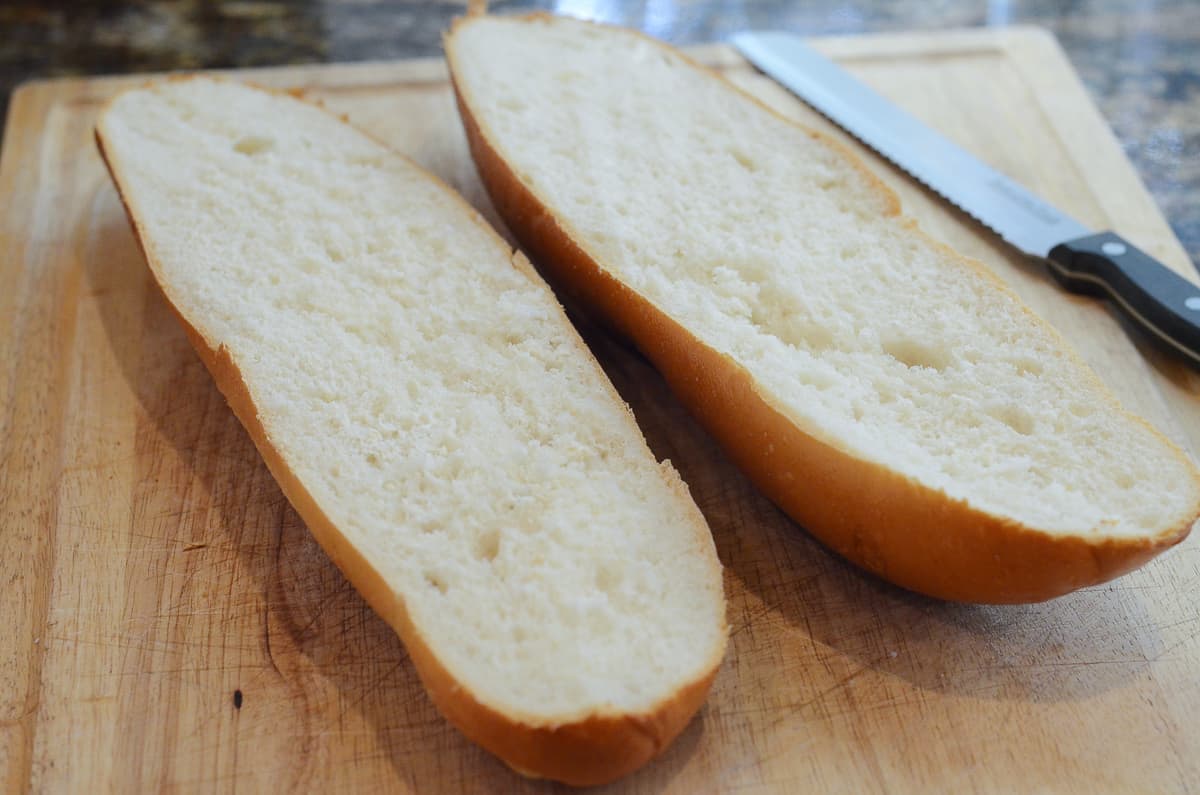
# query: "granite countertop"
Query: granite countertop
{"points": [[1139, 61]]}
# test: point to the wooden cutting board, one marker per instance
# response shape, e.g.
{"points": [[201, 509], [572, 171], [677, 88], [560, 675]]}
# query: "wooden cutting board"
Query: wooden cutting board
{"points": [[168, 623]]}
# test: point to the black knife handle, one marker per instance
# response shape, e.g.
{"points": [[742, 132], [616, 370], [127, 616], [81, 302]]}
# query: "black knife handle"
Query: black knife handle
{"points": [[1148, 292]]}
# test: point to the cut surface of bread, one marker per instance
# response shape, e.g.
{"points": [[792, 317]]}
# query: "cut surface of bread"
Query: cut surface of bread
{"points": [[893, 396], [435, 419]]}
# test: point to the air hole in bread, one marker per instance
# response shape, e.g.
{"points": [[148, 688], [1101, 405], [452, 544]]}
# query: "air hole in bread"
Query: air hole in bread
{"points": [[744, 160], [816, 336], [253, 144], [915, 353], [797, 330], [820, 379], [487, 545], [435, 581], [1029, 367], [608, 577], [1015, 417]]}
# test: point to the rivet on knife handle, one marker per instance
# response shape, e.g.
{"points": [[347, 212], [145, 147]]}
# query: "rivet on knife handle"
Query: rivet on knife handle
{"points": [[1150, 293]]}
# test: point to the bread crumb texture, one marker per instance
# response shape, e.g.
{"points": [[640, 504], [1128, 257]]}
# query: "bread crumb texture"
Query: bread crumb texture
{"points": [[767, 245], [430, 396]]}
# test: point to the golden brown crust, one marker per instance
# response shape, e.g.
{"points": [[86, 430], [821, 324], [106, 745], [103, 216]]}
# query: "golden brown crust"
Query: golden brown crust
{"points": [[596, 749], [904, 531]]}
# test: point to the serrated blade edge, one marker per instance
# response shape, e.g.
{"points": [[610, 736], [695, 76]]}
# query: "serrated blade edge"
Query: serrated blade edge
{"points": [[1014, 213]]}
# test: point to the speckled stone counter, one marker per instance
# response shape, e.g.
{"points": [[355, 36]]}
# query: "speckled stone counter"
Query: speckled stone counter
{"points": [[1140, 61]]}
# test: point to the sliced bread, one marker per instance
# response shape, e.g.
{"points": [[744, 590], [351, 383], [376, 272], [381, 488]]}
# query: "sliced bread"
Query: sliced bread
{"points": [[429, 411], [893, 397]]}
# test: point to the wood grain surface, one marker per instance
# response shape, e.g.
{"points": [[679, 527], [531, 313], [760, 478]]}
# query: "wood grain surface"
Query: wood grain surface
{"points": [[169, 625]]}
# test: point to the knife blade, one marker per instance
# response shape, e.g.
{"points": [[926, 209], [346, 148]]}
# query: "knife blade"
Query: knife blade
{"points": [[1082, 260]]}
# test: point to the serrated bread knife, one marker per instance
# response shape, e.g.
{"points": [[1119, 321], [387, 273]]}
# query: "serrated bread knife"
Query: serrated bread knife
{"points": [[1098, 263]]}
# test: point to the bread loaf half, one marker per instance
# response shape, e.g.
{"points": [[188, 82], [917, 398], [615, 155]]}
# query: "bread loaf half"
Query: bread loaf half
{"points": [[423, 402], [895, 398]]}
